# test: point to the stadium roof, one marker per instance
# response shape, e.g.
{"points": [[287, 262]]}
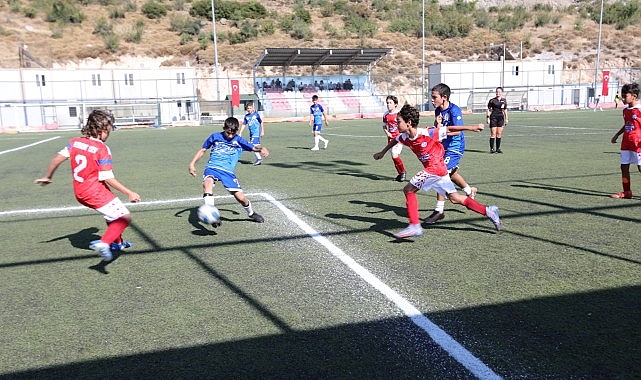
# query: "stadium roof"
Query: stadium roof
{"points": [[316, 57]]}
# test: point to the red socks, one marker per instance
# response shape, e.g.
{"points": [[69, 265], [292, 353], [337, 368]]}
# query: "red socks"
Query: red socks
{"points": [[114, 230]]}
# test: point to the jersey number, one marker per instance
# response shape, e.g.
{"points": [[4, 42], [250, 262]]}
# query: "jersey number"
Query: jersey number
{"points": [[81, 164]]}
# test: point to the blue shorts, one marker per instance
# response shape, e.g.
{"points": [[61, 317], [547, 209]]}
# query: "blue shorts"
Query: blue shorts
{"points": [[254, 139], [229, 180], [452, 160], [317, 127]]}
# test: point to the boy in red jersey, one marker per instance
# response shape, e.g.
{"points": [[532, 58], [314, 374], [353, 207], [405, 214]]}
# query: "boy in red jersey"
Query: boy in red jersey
{"points": [[390, 127], [93, 180], [434, 175], [631, 141]]}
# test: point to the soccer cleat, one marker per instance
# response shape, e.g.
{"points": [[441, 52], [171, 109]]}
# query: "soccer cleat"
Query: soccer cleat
{"points": [[492, 151], [473, 192], [623, 194], [410, 231], [400, 177], [326, 142], [217, 224], [115, 247], [492, 212], [102, 249], [258, 162], [499, 151], [256, 218], [314, 148], [434, 217]]}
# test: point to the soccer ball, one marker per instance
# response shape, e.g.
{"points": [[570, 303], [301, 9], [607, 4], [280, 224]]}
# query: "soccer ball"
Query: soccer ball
{"points": [[209, 214]]}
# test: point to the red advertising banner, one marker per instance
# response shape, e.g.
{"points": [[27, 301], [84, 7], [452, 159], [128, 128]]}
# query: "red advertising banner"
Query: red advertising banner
{"points": [[606, 79], [235, 93]]}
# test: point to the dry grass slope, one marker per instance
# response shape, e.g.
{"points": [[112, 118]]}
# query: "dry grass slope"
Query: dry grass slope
{"points": [[76, 45]]}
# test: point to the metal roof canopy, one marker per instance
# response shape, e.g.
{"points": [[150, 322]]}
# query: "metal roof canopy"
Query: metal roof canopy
{"points": [[316, 57]]}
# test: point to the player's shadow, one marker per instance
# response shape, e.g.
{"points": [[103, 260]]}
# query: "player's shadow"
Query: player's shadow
{"points": [[559, 189], [80, 239], [200, 229]]}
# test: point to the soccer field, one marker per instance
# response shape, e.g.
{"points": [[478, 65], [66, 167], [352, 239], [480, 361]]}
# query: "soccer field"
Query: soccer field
{"points": [[322, 289]]}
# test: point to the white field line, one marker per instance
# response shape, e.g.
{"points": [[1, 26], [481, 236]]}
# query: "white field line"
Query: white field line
{"points": [[438, 335], [29, 145]]}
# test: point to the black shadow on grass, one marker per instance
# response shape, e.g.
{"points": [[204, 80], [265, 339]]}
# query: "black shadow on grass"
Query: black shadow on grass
{"points": [[592, 335], [337, 167], [562, 189], [80, 239]]}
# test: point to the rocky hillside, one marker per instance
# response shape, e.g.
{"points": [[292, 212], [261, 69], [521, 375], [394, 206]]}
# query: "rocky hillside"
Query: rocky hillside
{"points": [[571, 38]]}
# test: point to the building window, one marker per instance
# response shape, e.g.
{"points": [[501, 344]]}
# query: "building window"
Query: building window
{"points": [[129, 79], [95, 80], [40, 80], [73, 112], [515, 71], [180, 78], [550, 69]]}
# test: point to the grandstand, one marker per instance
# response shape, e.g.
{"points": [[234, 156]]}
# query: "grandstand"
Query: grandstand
{"points": [[344, 102], [288, 96]]}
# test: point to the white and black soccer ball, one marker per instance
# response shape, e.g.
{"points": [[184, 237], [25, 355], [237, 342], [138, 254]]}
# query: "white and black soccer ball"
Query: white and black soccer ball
{"points": [[209, 214]]}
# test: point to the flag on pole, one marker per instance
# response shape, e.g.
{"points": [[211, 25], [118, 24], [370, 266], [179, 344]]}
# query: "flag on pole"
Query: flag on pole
{"points": [[606, 79], [235, 93]]}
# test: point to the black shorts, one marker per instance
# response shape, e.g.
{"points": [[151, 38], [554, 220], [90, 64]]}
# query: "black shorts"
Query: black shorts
{"points": [[497, 121]]}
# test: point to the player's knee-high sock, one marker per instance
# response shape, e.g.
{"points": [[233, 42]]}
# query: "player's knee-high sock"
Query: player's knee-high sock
{"points": [[258, 156], [492, 139], [473, 205], [316, 140], [249, 208], [498, 143], [625, 181], [209, 198], [114, 230], [322, 138], [398, 164], [412, 208]]}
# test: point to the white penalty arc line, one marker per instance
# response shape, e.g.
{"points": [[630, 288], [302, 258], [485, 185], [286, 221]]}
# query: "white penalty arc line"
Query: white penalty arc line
{"points": [[438, 335], [29, 145]]}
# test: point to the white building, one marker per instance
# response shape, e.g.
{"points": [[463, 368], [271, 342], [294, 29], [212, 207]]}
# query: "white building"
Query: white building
{"points": [[527, 84], [36, 98]]}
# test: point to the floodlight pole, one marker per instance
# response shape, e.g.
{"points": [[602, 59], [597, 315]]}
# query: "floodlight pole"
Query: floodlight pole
{"points": [[598, 49], [213, 20]]}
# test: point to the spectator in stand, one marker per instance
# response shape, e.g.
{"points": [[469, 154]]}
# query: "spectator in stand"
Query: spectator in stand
{"points": [[348, 84], [322, 85]]}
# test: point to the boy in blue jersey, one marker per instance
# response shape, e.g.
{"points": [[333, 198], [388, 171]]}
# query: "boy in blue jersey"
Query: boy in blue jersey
{"points": [[449, 115], [256, 129], [316, 117], [226, 148]]}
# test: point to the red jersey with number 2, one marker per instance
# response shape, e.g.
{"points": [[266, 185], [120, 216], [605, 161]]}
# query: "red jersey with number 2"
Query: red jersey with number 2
{"points": [[632, 123], [90, 167]]}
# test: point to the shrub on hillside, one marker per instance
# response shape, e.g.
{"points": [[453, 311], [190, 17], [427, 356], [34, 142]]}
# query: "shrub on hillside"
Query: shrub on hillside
{"points": [[154, 10]]}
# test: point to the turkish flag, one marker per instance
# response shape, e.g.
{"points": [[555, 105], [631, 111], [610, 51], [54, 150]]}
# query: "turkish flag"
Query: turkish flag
{"points": [[606, 79], [235, 93]]}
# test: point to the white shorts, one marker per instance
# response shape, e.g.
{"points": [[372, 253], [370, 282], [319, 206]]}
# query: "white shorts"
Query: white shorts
{"points": [[426, 181], [396, 149], [113, 210], [630, 157]]}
